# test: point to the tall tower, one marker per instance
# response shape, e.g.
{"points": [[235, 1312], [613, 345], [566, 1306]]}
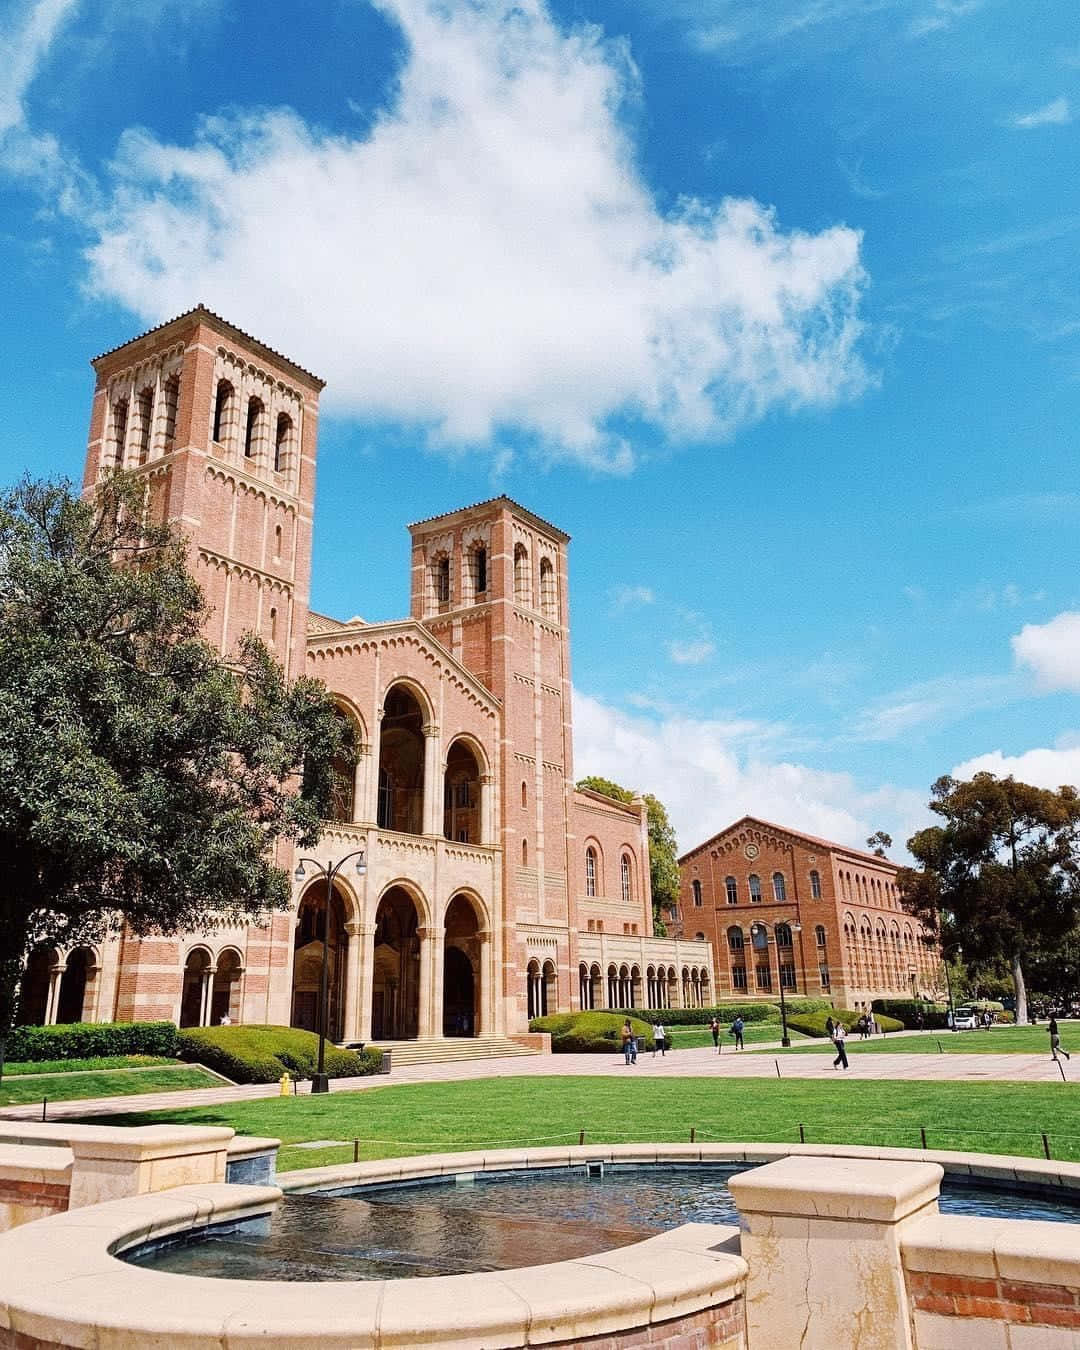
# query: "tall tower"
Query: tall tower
{"points": [[490, 581], [223, 428]]}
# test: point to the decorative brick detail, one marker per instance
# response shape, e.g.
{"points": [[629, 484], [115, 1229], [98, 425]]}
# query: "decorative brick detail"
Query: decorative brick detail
{"points": [[1010, 1301], [722, 1327]]}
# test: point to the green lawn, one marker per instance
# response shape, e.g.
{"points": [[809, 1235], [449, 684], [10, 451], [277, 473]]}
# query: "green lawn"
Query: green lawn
{"points": [[1034, 1040], [59, 1087], [690, 1038], [432, 1117], [20, 1067]]}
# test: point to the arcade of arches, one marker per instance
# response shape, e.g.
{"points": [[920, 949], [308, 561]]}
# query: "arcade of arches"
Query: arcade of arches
{"points": [[621, 987], [59, 989]]}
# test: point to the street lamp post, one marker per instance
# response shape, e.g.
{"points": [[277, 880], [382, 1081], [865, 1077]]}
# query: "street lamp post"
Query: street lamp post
{"points": [[958, 949], [320, 1082], [759, 930]]}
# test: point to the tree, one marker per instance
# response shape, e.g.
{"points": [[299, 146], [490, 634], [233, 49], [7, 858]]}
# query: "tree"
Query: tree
{"points": [[879, 843], [142, 777], [1000, 877], [663, 847]]}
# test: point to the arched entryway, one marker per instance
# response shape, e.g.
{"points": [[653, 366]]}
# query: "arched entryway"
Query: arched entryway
{"points": [[225, 1001], [542, 988], [42, 967], [193, 999], [462, 976], [461, 796], [395, 990], [311, 926], [401, 763], [75, 1001]]}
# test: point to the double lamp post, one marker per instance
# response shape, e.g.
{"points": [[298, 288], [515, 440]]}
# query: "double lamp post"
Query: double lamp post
{"points": [[320, 1082], [759, 940]]}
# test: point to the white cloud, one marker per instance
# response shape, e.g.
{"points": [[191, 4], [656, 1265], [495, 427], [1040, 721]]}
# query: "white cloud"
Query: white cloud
{"points": [[692, 652], [942, 16], [487, 257], [1056, 113], [631, 597], [930, 702], [25, 46], [1052, 651], [1046, 768], [709, 773]]}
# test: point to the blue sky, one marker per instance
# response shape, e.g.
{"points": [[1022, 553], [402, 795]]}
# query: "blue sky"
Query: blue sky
{"points": [[773, 307]]}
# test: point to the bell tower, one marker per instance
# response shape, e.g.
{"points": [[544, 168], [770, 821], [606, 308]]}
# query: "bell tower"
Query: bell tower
{"points": [[223, 429]]}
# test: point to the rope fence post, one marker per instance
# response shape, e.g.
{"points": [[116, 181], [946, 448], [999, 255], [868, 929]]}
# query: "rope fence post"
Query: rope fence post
{"points": [[356, 1150], [1046, 1144], [581, 1138], [802, 1135], [922, 1135]]}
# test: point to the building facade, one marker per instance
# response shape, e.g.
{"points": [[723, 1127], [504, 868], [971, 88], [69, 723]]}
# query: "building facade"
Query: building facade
{"points": [[492, 889], [782, 909]]}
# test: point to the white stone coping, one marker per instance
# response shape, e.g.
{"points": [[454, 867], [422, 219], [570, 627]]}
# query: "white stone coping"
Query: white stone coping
{"points": [[1034, 1251], [249, 1146], [61, 1283], [104, 1141], [43, 1166], [871, 1190]]}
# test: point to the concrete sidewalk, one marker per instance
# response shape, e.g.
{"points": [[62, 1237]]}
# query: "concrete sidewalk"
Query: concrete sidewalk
{"points": [[699, 1063]]}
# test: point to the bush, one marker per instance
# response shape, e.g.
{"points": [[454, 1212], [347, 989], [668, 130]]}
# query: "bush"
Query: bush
{"points": [[701, 1017], [809, 1005], [813, 1024], [594, 1033], [908, 1010], [257, 1054], [91, 1040]]}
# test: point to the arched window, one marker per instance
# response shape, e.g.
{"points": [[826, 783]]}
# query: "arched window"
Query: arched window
{"points": [[170, 392], [735, 939], [779, 890], [624, 874], [754, 883], [145, 404], [478, 559], [524, 853], [277, 543], [251, 430], [441, 578], [522, 588], [120, 421], [695, 886], [819, 935], [222, 409], [783, 935], [342, 793], [699, 937], [815, 885], [282, 434], [273, 624], [548, 598], [731, 886], [524, 794], [590, 871]]}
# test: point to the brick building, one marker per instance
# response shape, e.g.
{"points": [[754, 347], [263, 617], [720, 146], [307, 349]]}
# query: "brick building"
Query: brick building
{"points": [[493, 890], [782, 908]]}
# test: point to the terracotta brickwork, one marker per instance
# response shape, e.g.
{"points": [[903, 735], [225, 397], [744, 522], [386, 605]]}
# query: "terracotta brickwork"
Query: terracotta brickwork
{"points": [[722, 1327], [1012, 1301], [855, 943], [23, 1199]]}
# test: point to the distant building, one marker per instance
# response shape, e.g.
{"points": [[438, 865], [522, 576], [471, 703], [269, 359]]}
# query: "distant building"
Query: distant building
{"points": [[746, 891], [494, 890]]}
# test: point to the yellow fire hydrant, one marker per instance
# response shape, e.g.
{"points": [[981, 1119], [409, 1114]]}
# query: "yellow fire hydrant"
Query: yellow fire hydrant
{"points": [[284, 1085]]}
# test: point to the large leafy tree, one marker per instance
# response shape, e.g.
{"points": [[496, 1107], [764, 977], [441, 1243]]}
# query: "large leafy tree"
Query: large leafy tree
{"points": [[141, 775], [663, 847], [1001, 876]]}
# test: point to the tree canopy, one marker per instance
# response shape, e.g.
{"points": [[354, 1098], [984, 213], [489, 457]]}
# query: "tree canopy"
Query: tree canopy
{"points": [[141, 775], [1001, 877], [663, 847]]}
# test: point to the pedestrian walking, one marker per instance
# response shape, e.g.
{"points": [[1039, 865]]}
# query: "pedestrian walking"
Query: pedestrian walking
{"points": [[861, 1027], [714, 1027], [1055, 1040], [871, 1024], [659, 1036], [829, 1025], [737, 1028], [629, 1045], [841, 1060]]}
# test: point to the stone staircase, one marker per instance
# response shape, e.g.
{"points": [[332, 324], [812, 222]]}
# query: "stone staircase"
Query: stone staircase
{"points": [[452, 1049]]}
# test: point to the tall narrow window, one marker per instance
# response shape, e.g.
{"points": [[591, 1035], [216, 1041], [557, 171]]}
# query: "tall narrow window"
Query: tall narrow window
{"points": [[524, 794], [442, 581], [281, 441], [695, 886], [590, 871], [731, 888], [819, 935], [754, 883], [120, 421], [170, 392], [146, 422], [548, 598], [254, 412], [479, 562], [273, 624], [277, 543], [815, 885], [222, 407], [783, 935], [779, 890], [524, 853], [624, 870], [522, 589]]}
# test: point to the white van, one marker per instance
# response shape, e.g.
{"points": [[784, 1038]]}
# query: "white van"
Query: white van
{"points": [[967, 1019]]}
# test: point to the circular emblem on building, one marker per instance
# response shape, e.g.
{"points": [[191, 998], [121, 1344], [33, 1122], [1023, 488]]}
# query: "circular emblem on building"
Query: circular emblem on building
{"points": [[751, 851], [811, 857]]}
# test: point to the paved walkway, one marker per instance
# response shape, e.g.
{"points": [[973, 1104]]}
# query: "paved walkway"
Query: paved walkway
{"points": [[700, 1063]]}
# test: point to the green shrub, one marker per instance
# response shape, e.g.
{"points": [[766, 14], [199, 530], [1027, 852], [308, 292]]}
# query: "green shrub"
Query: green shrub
{"points": [[813, 1024], [593, 1033], [701, 1017], [91, 1040], [809, 1005], [257, 1054], [908, 1010]]}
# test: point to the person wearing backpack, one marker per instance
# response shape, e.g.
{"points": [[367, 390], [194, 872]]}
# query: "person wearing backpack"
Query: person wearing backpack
{"points": [[737, 1028]]}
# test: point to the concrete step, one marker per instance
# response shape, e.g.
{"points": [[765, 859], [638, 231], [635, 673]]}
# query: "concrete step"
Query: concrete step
{"points": [[450, 1049]]}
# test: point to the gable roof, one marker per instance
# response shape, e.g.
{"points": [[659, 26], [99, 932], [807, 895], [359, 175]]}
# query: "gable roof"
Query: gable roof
{"points": [[497, 501], [829, 844]]}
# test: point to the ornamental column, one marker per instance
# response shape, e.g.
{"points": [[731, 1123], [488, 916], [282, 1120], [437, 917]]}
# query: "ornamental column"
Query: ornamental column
{"points": [[206, 997], [486, 1020], [53, 998], [487, 808], [433, 787], [438, 944], [423, 1019], [354, 934], [367, 997]]}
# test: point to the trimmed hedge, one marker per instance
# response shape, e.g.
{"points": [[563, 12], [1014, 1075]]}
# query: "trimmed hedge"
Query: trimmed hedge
{"points": [[935, 1016], [257, 1054], [91, 1040], [593, 1033], [813, 1024], [701, 1017]]}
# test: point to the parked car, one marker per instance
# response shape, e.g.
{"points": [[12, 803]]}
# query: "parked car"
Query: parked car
{"points": [[967, 1019]]}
